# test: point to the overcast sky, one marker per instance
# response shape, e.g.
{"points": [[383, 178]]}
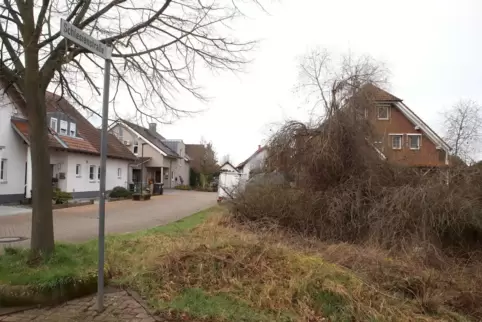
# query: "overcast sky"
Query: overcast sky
{"points": [[433, 49]]}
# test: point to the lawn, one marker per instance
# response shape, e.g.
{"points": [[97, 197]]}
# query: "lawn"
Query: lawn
{"points": [[206, 268]]}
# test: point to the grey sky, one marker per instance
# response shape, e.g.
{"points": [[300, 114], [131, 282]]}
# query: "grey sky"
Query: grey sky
{"points": [[432, 48]]}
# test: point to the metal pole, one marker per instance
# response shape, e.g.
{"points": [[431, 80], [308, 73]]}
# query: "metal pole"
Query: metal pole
{"points": [[103, 168], [142, 165]]}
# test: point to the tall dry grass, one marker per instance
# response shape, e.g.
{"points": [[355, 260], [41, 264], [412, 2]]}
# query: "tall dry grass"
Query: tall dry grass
{"points": [[428, 222]]}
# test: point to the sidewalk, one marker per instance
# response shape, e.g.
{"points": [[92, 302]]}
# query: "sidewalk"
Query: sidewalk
{"points": [[119, 306], [14, 210]]}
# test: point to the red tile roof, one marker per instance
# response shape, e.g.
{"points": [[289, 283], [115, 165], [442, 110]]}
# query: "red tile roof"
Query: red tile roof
{"points": [[78, 144], [21, 125], [88, 140], [378, 94]]}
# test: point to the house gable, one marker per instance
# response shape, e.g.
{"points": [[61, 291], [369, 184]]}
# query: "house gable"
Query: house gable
{"points": [[398, 130], [228, 167]]}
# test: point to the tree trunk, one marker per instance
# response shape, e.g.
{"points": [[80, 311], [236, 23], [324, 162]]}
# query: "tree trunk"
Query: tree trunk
{"points": [[42, 238]]}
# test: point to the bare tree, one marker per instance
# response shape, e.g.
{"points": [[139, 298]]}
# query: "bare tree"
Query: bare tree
{"points": [[328, 81], [339, 133], [463, 129], [157, 47]]}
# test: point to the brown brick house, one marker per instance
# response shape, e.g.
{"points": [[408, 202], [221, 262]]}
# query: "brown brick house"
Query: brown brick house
{"points": [[400, 135]]}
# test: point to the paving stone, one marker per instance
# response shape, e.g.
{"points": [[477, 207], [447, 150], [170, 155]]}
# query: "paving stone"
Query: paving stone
{"points": [[119, 306]]}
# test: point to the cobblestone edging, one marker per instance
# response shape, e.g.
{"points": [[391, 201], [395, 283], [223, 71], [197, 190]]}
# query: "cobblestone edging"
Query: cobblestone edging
{"points": [[119, 306]]}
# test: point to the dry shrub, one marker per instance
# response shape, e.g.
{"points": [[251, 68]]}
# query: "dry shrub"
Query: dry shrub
{"points": [[344, 192], [268, 271]]}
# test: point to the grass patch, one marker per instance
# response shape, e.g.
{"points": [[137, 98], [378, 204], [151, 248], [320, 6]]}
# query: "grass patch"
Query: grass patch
{"points": [[70, 261], [222, 272], [197, 303], [71, 268], [205, 267]]}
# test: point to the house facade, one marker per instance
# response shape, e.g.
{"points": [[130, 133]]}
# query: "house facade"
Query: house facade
{"points": [[159, 160], [74, 145], [400, 135], [255, 162]]}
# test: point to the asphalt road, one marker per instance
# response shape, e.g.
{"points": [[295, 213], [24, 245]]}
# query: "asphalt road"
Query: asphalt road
{"points": [[81, 223]]}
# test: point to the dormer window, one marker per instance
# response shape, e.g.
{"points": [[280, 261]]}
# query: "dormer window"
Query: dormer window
{"points": [[73, 129], [383, 111], [63, 127], [53, 123]]}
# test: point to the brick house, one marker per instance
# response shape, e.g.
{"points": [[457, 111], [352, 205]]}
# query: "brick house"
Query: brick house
{"points": [[400, 135]]}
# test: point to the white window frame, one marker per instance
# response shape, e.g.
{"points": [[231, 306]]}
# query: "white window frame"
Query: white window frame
{"points": [[134, 146], [3, 170], [54, 120], [72, 124], [392, 135], [387, 106], [409, 136], [62, 123], [78, 170], [92, 173], [98, 173], [119, 173]]}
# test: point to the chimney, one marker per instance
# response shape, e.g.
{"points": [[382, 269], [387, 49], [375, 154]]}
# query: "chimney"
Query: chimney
{"points": [[152, 127], [259, 147]]}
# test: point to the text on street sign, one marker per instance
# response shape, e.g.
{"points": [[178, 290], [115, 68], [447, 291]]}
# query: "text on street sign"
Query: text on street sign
{"points": [[81, 38]]}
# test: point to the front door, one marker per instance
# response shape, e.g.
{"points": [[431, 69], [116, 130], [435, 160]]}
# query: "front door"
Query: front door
{"points": [[157, 176], [136, 175]]}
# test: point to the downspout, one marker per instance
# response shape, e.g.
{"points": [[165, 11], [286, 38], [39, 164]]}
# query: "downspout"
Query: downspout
{"points": [[170, 173]]}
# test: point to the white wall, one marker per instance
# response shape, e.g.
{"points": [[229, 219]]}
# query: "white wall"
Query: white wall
{"points": [[256, 162], [15, 152], [83, 183]]}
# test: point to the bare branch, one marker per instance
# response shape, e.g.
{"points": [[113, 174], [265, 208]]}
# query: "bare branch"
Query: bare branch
{"points": [[463, 129]]}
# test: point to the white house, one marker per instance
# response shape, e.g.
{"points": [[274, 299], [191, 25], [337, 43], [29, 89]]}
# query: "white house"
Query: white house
{"points": [[228, 167], [254, 162], [74, 144], [160, 160]]}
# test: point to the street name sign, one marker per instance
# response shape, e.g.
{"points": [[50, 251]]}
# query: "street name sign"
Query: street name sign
{"points": [[83, 39]]}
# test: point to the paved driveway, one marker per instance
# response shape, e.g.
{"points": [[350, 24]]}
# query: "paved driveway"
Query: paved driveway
{"points": [[81, 223]]}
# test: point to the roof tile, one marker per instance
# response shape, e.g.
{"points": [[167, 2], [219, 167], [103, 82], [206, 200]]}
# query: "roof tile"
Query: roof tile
{"points": [[89, 141]]}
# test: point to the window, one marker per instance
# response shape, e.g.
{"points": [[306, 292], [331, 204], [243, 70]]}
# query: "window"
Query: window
{"points": [[53, 123], [98, 173], [119, 173], [3, 170], [397, 142], [136, 147], [414, 141], [78, 168], [63, 127], [92, 172], [73, 129], [383, 112]]}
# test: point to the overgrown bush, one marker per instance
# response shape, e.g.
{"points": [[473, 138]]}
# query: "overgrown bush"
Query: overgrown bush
{"points": [[60, 197], [120, 192], [345, 192], [183, 187]]}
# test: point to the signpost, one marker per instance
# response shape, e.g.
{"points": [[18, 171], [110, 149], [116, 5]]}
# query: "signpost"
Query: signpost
{"points": [[83, 39]]}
